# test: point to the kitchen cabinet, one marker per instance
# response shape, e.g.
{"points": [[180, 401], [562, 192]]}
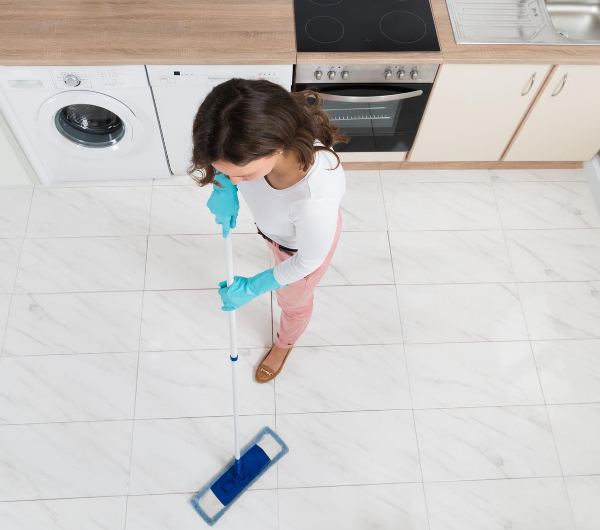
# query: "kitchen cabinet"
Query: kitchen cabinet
{"points": [[474, 111], [15, 169], [564, 124]]}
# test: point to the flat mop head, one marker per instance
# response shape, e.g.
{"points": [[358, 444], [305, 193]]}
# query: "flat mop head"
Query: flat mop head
{"points": [[212, 501]]}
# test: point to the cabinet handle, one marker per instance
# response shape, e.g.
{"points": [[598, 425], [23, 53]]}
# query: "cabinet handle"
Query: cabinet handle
{"points": [[562, 85], [530, 86]]}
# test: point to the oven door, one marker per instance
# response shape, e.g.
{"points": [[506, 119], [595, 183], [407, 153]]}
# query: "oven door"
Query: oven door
{"points": [[377, 118]]}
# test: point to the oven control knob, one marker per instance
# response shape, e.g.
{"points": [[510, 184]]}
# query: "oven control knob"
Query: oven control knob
{"points": [[414, 74], [387, 74], [331, 75], [345, 74], [71, 80], [318, 75], [401, 74]]}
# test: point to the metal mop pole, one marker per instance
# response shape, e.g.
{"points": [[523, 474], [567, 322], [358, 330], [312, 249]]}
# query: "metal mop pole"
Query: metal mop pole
{"points": [[233, 355]]}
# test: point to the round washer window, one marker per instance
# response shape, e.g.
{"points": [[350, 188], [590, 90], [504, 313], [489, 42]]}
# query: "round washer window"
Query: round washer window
{"points": [[89, 125]]}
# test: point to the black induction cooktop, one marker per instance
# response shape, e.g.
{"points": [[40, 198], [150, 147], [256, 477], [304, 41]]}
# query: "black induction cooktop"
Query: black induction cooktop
{"points": [[364, 26]]}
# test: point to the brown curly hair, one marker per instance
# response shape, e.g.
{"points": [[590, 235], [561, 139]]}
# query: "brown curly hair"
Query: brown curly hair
{"points": [[242, 120]]}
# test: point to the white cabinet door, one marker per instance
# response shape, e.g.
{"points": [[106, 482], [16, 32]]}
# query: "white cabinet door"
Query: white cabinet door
{"points": [[565, 122], [14, 166], [474, 111]]}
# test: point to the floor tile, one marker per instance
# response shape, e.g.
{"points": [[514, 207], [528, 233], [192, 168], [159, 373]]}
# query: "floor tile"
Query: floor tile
{"points": [[14, 211], [77, 212], [351, 315], [555, 255], [486, 443], [461, 313], [343, 378], [450, 257], [59, 265], [569, 370], [193, 320], [254, 510], [518, 504], [561, 310], [475, 374], [389, 506], [59, 460], [546, 205], [363, 175], [198, 261], [362, 207], [197, 383], [4, 307], [55, 388], [348, 448], [440, 206], [183, 210], [435, 175], [10, 250], [104, 513], [584, 493], [538, 175], [361, 258], [182, 455], [73, 323], [577, 431]]}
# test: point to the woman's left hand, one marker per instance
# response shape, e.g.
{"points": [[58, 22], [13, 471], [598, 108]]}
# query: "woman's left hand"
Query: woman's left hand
{"points": [[243, 289]]}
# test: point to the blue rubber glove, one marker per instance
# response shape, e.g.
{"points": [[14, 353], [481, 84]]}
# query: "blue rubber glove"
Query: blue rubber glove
{"points": [[224, 204], [242, 290]]}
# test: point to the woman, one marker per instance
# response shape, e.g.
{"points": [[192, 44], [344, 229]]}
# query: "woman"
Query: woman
{"points": [[276, 148]]}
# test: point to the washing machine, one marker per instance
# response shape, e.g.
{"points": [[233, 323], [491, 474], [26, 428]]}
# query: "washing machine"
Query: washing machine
{"points": [[180, 89], [85, 122]]}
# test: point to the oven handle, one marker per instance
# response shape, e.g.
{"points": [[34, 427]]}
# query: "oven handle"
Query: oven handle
{"points": [[371, 99]]}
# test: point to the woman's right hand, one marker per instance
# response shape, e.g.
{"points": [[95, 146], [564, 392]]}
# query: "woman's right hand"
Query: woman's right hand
{"points": [[224, 204]]}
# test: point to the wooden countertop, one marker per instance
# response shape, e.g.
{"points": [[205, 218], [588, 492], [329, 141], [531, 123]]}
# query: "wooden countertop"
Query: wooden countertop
{"points": [[88, 32], [464, 53], [103, 32]]}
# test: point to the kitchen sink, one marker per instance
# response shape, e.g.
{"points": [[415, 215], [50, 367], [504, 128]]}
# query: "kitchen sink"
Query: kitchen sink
{"points": [[552, 22], [576, 19]]}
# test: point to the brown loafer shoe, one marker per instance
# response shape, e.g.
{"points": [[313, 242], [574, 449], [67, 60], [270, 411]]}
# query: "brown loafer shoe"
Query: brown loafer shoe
{"points": [[264, 374]]}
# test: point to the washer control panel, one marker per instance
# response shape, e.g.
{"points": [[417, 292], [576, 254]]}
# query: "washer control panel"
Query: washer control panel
{"points": [[96, 77]]}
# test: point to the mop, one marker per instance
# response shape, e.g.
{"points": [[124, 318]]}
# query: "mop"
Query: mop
{"points": [[212, 501]]}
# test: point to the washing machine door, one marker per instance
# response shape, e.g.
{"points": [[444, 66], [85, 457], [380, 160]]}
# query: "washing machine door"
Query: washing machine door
{"points": [[92, 124]]}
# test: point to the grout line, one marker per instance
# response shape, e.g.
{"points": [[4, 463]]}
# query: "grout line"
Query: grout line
{"points": [[12, 295], [210, 289], [201, 350], [307, 413], [138, 362], [292, 488], [407, 372]]}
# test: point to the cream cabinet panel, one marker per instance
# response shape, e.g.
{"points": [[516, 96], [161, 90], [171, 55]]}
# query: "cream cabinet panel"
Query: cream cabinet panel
{"points": [[474, 110], [565, 122]]}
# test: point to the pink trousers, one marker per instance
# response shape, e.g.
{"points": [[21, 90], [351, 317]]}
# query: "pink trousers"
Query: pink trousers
{"points": [[296, 300]]}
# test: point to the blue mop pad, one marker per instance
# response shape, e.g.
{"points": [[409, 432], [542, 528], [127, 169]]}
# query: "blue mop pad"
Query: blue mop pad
{"points": [[212, 501]]}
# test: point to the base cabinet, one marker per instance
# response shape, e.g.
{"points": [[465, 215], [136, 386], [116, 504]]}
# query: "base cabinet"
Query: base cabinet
{"points": [[474, 111], [564, 124]]}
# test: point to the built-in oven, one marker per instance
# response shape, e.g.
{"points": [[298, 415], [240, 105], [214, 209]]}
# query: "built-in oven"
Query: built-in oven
{"points": [[378, 107]]}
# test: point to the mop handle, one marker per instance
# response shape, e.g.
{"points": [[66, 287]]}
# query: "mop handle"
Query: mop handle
{"points": [[233, 355]]}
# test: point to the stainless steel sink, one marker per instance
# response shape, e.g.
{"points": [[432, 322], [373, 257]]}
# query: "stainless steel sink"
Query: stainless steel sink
{"points": [[552, 22], [576, 19]]}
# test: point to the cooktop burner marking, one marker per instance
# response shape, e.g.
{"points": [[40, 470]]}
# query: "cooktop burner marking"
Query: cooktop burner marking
{"points": [[403, 27], [326, 2], [324, 30]]}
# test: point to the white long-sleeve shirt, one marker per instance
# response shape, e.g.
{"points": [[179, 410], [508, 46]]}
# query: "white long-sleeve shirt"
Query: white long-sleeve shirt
{"points": [[302, 217]]}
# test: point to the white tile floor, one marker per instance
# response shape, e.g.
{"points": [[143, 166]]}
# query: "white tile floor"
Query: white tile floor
{"points": [[450, 378]]}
